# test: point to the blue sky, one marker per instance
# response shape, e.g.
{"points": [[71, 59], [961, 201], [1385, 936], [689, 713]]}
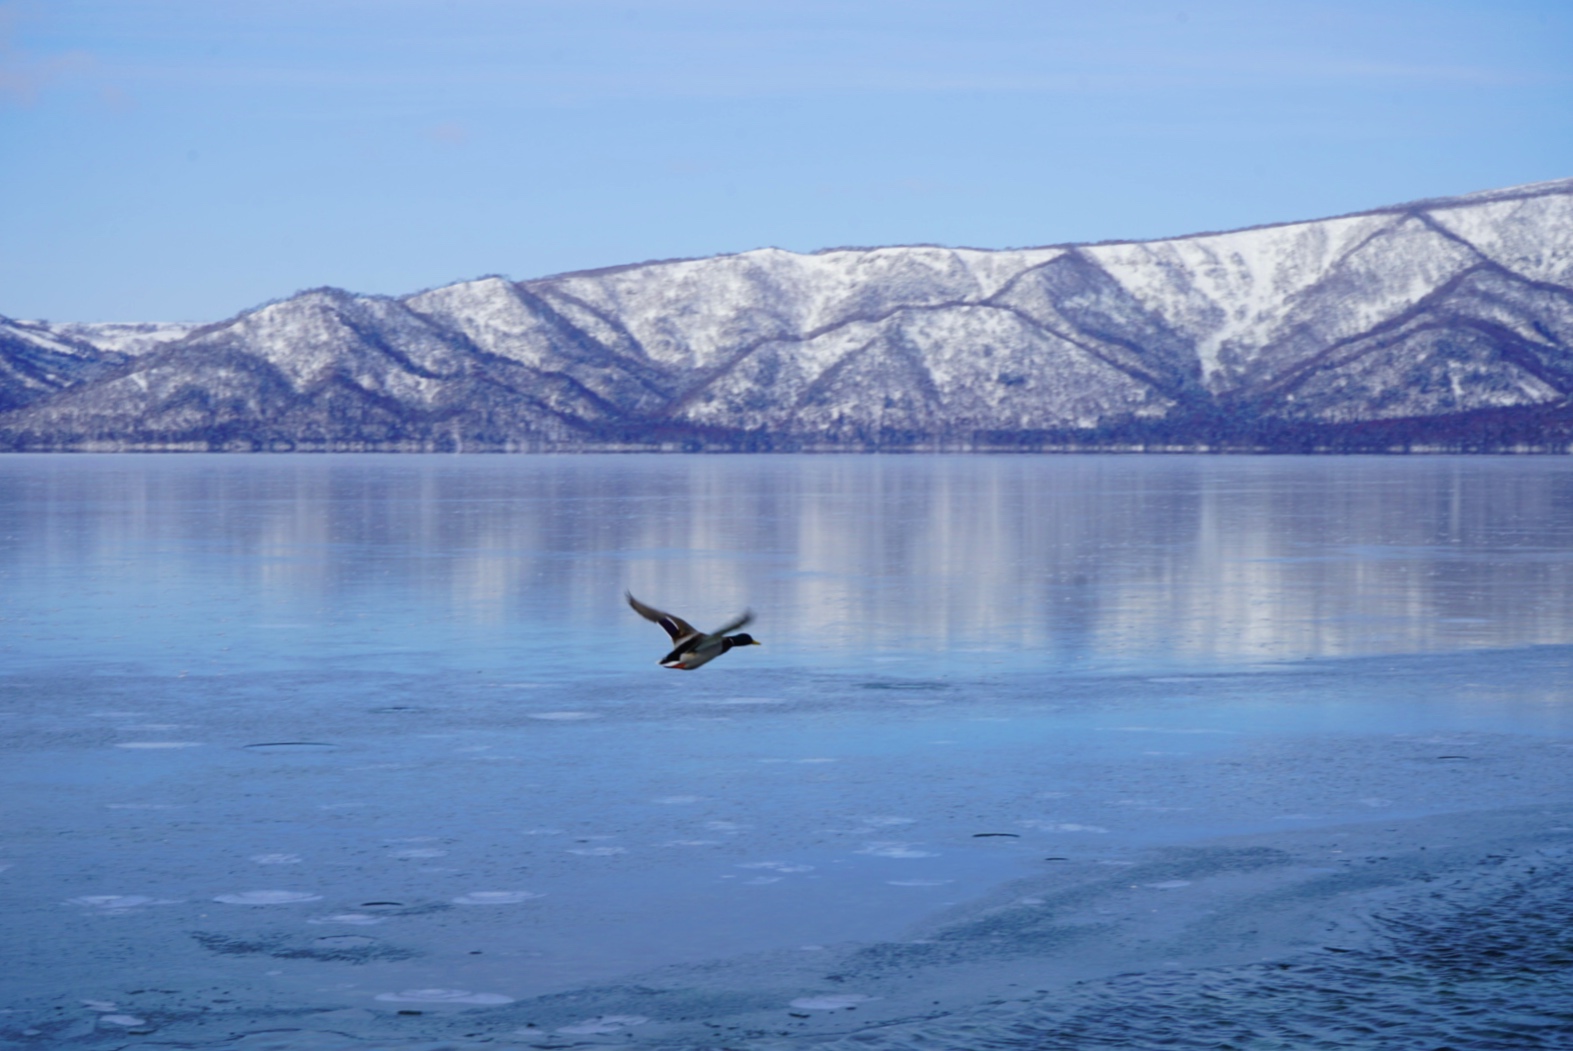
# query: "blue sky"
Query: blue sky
{"points": [[187, 159]]}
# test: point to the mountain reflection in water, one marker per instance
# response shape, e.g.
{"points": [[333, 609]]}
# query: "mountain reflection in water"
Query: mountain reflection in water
{"points": [[1089, 561]]}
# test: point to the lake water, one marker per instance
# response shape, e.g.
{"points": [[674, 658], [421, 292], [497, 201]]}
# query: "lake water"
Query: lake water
{"points": [[361, 751]]}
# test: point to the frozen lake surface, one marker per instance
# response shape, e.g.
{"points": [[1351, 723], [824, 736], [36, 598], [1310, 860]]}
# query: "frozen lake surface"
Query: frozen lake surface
{"points": [[362, 752]]}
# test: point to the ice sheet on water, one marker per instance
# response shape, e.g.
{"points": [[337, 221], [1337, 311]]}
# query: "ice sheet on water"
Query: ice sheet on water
{"points": [[1475, 960], [1286, 758]]}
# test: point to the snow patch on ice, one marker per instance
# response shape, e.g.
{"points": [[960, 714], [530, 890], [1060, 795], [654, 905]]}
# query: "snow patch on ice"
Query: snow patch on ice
{"points": [[443, 996], [266, 897], [1062, 826], [118, 902], [121, 1020], [496, 897], [353, 919], [776, 866], [831, 1002], [1169, 729], [890, 849], [597, 1026]]}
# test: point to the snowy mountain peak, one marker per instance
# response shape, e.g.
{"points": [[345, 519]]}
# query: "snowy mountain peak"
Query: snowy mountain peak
{"points": [[1446, 322]]}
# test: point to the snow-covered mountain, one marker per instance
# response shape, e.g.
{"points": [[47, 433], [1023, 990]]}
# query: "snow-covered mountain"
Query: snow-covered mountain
{"points": [[37, 360], [124, 337], [1443, 323]]}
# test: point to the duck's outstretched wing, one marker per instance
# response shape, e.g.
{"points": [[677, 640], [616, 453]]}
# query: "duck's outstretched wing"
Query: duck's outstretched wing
{"points": [[676, 627], [731, 626]]}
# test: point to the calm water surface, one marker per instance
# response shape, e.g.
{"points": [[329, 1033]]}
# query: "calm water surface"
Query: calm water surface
{"points": [[214, 564], [248, 697]]}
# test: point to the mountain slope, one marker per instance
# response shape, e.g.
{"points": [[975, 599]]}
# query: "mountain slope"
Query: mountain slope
{"points": [[1445, 323], [36, 362]]}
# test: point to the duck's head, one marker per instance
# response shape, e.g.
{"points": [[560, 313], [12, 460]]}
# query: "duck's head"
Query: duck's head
{"points": [[743, 639]]}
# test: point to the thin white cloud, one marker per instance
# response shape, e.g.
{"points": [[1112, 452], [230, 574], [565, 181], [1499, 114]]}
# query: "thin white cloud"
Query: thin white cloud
{"points": [[22, 75]]}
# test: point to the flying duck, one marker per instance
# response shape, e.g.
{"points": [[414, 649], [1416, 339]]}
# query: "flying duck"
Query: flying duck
{"points": [[691, 647]]}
